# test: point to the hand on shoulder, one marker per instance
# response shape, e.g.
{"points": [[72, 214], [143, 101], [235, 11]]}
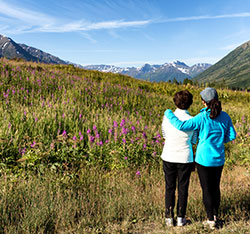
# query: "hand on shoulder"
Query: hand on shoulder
{"points": [[168, 113]]}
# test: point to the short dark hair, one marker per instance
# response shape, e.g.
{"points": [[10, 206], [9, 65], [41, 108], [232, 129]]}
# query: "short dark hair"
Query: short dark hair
{"points": [[183, 99]]}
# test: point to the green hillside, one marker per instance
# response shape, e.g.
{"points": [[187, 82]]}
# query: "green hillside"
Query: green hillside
{"points": [[232, 71], [80, 153]]}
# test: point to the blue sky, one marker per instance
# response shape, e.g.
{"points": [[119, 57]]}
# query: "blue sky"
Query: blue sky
{"points": [[129, 32]]}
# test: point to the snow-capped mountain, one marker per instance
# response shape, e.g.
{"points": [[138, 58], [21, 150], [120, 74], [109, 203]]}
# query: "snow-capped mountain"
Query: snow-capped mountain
{"points": [[167, 71]]}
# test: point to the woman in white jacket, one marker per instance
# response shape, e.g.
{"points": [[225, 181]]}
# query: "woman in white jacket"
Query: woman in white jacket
{"points": [[177, 156]]}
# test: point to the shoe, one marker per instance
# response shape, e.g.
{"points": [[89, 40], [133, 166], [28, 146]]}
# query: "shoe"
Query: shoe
{"points": [[181, 221], [210, 223], [169, 222]]}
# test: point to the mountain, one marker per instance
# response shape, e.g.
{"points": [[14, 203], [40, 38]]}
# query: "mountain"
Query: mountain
{"points": [[165, 72], [11, 50], [42, 56], [233, 70]]}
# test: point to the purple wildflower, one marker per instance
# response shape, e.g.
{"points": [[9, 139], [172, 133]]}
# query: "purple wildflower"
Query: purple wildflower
{"points": [[133, 128], [115, 124], [74, 138], [92, 139], [33, 144], [138, 173], [124, 130], [122, 123], [64, 133]]}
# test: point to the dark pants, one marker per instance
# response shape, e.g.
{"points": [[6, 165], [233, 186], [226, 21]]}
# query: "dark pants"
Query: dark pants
{"points": [[173, 172], [210, 184]]}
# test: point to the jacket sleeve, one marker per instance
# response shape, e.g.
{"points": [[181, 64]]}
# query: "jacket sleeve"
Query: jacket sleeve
{"points": [[230, 133], [187, 125], [194, 137]]}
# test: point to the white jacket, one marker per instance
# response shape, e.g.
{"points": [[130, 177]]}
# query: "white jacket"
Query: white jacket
{"points": [[178, 144]]}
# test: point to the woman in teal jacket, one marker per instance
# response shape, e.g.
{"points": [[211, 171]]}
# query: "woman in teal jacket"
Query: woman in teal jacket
{"points": [[215, 128]]}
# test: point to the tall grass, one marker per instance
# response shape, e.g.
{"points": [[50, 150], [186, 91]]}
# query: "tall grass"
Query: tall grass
{"points": [[94, 201]]}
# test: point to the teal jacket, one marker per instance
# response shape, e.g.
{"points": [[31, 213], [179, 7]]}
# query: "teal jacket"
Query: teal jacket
{"points": [[213, 133]]}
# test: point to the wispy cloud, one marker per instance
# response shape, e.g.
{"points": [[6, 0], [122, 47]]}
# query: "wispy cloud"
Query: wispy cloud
{"points": [[24, 15], [22, 20], [206, 17], [39, 22], [81, 25]]}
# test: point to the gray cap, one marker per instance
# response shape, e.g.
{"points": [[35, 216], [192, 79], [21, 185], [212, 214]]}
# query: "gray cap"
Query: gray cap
{"points": [[208, 94]]}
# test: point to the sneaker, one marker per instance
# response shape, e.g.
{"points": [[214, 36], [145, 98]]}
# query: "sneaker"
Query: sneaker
{"points": [[169, 222], [181, 221], [209, 223]]}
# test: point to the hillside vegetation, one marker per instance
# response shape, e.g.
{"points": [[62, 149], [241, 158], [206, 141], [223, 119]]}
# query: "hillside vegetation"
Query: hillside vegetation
{"points": [[80, 152], [232, 71]]}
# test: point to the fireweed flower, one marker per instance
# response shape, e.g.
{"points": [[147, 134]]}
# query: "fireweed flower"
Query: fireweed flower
{"points": [[33, 144], [92, 139], [138, 173], [88, 131], [94, 127], [133, 128], [115, 124], [124, 140], [64, 133], [74, 138], [122, 123], [124, 130], [110, 131], [125, 158], [158, 135]]}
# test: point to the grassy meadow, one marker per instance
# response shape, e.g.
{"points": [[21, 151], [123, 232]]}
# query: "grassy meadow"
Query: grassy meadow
{"points": [[80, 153]]}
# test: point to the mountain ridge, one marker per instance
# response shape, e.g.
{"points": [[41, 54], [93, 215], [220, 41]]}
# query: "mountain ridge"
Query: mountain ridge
{"points": [[156, 72], [11, 50], [233, 70]]}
